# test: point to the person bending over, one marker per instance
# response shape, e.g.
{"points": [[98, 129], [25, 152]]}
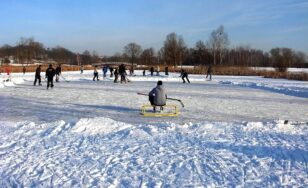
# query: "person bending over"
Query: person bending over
{"points": [[158, 96]]}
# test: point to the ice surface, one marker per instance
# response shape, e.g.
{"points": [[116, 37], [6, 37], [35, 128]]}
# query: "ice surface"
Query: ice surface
{"points": [[233, 131]]}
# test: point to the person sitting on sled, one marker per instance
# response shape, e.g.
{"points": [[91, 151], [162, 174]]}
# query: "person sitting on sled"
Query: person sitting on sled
{"points": [[158, 96]]}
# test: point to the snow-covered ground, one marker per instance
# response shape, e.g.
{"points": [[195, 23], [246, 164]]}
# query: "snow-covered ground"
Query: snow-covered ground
{"points": [[233, 131], [294, 70]]}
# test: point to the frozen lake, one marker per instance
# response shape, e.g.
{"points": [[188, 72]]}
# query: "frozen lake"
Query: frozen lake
{"points": [[233, 131]]}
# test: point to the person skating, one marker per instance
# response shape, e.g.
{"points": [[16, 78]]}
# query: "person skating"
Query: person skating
{"points": [[158, 96], [157, 71], [58, 72], [131, 70], [152, 70], [122, 72], [81, 69], [209, 72], [111, 72], [37, 75], [95, 74], [105, 69], [166, 71], [24, 70], [50, 73], [116, 75], [143, 72], [184, 75], [8, 73]]}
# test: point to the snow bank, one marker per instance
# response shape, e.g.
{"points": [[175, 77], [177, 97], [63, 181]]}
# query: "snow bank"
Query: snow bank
{"points": [[98, 126]]}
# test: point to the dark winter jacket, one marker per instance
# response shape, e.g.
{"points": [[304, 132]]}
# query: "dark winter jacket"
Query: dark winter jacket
{"points": [[50, 73], [116, 72], [58, 70], [159, 95], [209, 70], [183, 74], [38, 71], [122, 69]]}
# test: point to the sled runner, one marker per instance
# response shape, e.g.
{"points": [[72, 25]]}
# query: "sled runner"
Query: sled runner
{"points": [[161, 111]]}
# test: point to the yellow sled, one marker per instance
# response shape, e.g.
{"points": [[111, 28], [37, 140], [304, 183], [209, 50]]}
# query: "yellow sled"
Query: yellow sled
{"points": [[169, 111]]}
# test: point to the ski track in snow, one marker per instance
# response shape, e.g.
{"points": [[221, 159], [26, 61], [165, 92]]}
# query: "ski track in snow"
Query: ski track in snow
{"points": [[76, 135]]}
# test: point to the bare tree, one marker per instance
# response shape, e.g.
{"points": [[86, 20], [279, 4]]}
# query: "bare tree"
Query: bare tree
{"points": [[28, 49], [201, 51], [174, 48], [62, 55], [282, 58], [95, 57], [148, 56], [133, 51], [86, 57], [218, 42]]}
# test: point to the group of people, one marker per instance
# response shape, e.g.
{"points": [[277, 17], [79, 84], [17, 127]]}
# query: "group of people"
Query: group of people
{"points": [[49, 75], [157, 71], [116, 72], [157, 96], [121, 70]]}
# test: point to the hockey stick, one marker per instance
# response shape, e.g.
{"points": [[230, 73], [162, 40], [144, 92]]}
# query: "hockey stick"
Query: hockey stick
{"points": [[64, 78], [177, 100], [167, 98]]}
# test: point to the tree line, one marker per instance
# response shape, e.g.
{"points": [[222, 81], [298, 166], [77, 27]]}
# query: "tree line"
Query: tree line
{"points": [[174, 52]]}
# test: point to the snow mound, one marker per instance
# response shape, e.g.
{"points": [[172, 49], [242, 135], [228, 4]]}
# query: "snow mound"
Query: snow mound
{"points": [[98, 126]]}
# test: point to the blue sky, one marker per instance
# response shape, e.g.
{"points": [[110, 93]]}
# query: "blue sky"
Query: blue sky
{"points": [[107, 26]]}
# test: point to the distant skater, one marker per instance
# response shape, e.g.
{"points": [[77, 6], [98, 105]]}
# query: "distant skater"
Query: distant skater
{"points": [[131, 70], [105, 69], [111, 72], [58, 72], [157, 71], [152, 70], [116, 75], [122, 72], [95, 73], [184, 75], [24, 70], [50, 73], [81, 69], [209, 72], [8, 73], [166, 71], [37, 75]]}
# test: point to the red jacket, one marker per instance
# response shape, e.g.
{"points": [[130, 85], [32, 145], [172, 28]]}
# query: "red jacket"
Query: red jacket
{"points": [[7, 70]]}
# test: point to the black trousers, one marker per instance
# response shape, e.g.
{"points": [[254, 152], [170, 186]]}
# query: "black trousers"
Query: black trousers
{"points": [[116, 76], [151, 99], [123, 78], [183, 78], [95, 76], [49, 82], [208, 75], [37, 77]]}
